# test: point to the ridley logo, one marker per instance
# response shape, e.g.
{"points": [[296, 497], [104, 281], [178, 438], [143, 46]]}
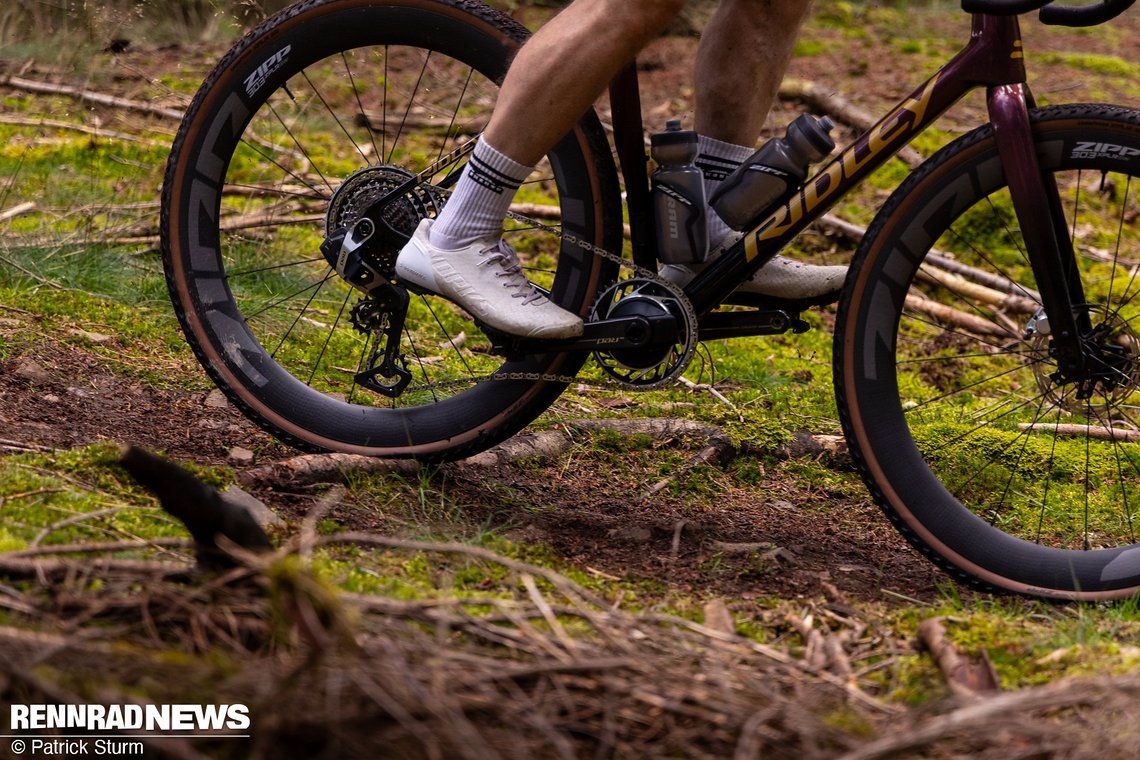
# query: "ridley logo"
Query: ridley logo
{"points": [[892, 131], [258, 78]]}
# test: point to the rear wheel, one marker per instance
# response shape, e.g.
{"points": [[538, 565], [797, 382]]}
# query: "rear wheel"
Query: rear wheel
{"points": [[997, 466], [315, 115]]}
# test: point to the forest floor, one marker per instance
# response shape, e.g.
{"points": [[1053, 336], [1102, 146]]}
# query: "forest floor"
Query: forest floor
{"points": [[824, 598]]}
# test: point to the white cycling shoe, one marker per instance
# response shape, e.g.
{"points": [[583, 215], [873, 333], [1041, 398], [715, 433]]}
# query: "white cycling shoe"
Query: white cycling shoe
{"points": [[781, 278], [486, 279]]}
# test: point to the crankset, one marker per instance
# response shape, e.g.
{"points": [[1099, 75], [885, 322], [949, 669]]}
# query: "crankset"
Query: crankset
{"points": [[642, 330]]}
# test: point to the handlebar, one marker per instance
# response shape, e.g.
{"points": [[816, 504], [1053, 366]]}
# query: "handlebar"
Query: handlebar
{"points": [[1056, 15]]}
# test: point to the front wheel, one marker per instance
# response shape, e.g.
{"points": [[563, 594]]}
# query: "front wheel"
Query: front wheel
{"points": [[319, 113], [997, 466]]}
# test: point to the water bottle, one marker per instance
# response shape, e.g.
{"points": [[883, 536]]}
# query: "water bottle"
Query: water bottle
{"points": [[678, 197], [772, 174]]}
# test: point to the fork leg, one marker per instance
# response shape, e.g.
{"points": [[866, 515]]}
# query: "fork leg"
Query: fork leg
{"points": [[1037, 203]]}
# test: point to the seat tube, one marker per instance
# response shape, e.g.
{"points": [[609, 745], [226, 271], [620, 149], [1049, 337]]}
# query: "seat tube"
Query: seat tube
{"points": [[629, 141], [1037, 203]]}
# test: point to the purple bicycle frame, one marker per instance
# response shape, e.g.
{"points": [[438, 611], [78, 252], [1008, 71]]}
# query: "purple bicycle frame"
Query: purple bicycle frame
{"points": [[992, 59]]}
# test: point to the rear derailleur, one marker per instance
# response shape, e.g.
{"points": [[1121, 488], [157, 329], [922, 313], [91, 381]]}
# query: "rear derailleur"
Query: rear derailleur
{"points": [[382, 313], [364, 255]]}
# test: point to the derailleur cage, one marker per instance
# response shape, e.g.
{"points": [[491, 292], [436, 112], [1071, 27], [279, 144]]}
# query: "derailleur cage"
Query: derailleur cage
{"points": [[383, 311]]}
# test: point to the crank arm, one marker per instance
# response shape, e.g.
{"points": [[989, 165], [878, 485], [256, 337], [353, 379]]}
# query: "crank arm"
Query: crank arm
{"points": [[743, 324], [606, 334]]}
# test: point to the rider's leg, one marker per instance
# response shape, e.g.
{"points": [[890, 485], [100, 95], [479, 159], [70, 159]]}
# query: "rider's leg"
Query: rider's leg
{"points": [[554, 79], [743, 55], [741, 60]]}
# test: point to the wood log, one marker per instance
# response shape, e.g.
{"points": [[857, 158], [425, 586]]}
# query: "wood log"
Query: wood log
{"points": [[955, 317], [974, 291]]}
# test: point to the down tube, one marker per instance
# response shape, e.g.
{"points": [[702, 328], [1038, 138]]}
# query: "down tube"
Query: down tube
{"points": [[854, 164]]}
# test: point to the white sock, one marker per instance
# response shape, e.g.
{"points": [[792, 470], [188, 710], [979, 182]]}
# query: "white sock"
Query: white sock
{"points": [[482, 197], [718, 159]]}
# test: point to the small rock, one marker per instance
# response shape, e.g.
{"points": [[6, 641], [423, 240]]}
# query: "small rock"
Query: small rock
{"points": [[94, 337], [747, 547], [637, 534], [718, 617], [255, 506], [240, 456], [216, 399], [51, 398], [32, 371]]}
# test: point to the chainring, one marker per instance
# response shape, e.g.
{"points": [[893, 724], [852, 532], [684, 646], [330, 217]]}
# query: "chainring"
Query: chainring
{"points": [[645, 369]]}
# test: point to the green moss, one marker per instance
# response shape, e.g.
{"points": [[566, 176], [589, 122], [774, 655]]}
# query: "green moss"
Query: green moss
{"points": [[1094, 63], [9, 542], [807, 47], [849, 721]]}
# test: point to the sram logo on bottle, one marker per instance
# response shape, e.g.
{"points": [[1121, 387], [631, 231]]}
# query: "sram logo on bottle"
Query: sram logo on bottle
{"points": [[258, 78]]}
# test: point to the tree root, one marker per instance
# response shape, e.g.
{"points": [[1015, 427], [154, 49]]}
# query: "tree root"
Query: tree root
{"points": [[718, 448]]}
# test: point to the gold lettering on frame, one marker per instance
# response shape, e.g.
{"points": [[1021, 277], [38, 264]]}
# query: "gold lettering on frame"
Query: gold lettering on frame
{"points": [[895, 128]]}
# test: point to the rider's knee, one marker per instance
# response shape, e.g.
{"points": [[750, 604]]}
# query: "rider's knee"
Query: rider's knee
{"points": [[648, 12], [772, 15]]}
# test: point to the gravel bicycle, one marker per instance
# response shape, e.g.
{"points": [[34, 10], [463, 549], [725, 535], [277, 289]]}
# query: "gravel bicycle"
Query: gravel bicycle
{"points": [[986, 358]]}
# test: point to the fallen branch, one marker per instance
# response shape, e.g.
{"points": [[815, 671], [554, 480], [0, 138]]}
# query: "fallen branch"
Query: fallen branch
{"points": [[974, 291], [550, 214], [1097, 432], [398, 122], [833, 225], [96, 548], [8, 445], [18, 121], [310, 469], [322, 468], [956, 317], [965, 679], [17, 210], [1004, 711], [545, 444], [89, 96], [819, 446], [15, 567]]}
